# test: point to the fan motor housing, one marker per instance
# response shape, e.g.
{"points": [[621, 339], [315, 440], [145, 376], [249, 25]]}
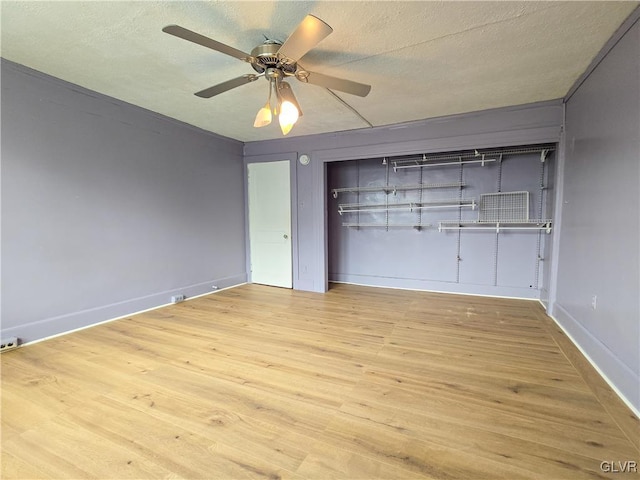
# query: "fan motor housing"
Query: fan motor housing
{"points": [[266, 57]]}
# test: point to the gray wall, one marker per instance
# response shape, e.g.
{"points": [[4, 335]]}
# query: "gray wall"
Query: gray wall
{"points": [[504, 264], [107, 208], [518, 125], [599, 248]]}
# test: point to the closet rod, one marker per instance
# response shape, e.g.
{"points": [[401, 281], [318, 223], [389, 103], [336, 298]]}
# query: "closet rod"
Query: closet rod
{"points": [[497, 226], [384, 225], [442, 164], [410, 207], [395, 188]]}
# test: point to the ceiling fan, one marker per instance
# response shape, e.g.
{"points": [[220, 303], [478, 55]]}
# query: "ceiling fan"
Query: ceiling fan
{"points": [[275, 62]]}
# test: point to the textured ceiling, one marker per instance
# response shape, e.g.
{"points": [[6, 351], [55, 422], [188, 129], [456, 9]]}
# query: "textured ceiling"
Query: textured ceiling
{"points": [[423, 59]]}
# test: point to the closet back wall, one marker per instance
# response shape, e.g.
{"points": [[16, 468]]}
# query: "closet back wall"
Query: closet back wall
{"points": [[469, 261]]}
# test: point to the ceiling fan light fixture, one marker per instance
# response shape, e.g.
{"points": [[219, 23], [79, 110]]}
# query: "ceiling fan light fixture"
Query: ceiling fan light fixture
{"points": [[285, 94], [289, 108], [288, 116], [263, 118]]}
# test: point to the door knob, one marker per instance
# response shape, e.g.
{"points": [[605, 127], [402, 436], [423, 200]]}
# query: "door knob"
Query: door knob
{"points": [[286, 236]]}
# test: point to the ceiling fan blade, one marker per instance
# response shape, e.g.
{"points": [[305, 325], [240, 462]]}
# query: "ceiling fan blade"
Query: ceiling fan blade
{"points": [[194, 37], [228, 85], [307, 35], [334, 83]]}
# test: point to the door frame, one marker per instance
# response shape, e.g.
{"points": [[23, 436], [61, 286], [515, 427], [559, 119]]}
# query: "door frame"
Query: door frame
{"points": [[292, 159]]}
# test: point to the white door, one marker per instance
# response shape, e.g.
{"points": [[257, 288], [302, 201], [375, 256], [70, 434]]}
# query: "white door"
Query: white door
{"points": [[270, 223]]}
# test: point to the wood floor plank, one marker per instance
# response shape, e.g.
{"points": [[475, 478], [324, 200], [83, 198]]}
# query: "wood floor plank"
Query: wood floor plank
{"points": [[493, 418], [280, 356], [257, 382], [184, 396], [240, 464], [442, 389], [64, 449], [482, 387], [16, 468], [565, 458], [392, 446], [538, 374], [340, 464], [173, 448]]}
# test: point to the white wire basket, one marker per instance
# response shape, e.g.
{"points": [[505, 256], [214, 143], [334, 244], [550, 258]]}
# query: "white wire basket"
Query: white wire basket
{"points": [[504, 207]]}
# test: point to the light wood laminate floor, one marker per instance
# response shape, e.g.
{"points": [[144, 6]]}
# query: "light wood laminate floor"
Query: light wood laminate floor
{"points": [[268, 383]]}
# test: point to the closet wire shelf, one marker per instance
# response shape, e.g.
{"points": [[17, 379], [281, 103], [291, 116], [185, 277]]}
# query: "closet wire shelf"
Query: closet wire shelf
{"points": [[390, 225], [395, 188], [501, 210], [481, 157], [496, 226], [408, 206]]}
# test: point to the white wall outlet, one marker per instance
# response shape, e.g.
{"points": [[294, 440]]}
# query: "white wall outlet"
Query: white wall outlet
{"points": [[178, 298], [8, 344], [594, 302]]}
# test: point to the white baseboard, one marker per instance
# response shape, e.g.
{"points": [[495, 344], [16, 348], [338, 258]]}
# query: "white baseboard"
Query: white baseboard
{"points": [[622, 380], [61, 325], [436, 286]]}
